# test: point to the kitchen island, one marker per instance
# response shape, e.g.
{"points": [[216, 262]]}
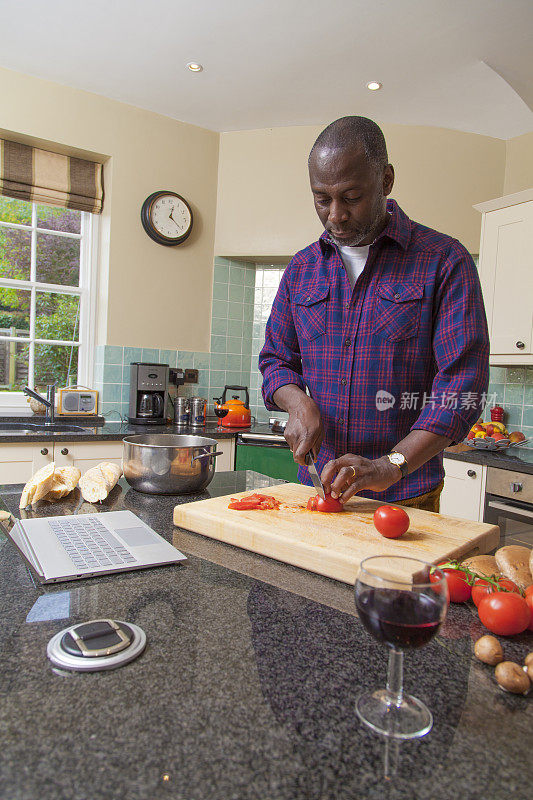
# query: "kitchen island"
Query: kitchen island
{"points": [[246, 689]]}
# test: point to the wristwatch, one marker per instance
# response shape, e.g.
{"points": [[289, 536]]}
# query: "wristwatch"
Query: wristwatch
{"points": [[399, 460]]}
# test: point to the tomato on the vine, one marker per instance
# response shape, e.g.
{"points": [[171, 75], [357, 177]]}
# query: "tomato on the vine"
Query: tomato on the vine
{"points": [[504, 613], [391, 521], [327, 504], [482, 588], [459, 590]]}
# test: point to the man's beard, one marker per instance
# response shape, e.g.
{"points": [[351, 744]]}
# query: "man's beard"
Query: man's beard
{"points": [[363, 233]]}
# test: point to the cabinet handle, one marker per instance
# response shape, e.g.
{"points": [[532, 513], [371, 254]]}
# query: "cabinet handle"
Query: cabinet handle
{"points": [[64, 451], [516, 487], [520, 345], [471, 473], [44, 451]]}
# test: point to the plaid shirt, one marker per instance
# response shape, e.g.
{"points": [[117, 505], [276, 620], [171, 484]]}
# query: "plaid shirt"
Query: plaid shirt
{"points": [[407, 348]]}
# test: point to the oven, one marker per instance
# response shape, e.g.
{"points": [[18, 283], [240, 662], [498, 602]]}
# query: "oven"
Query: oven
{"points": [[509, 504]]}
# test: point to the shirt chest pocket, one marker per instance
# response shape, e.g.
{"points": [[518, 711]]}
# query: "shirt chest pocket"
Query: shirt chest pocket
{"points": [[397, 310], [310, 312]]}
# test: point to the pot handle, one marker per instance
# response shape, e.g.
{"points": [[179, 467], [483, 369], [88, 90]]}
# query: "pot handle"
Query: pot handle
{"points": [[206, 455]]}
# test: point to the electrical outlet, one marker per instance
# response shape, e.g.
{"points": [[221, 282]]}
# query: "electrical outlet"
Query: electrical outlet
{"points": [[191, 376]]}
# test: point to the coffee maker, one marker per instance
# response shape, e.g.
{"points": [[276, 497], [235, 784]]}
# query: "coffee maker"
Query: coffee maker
{"points": [[148, 394]]}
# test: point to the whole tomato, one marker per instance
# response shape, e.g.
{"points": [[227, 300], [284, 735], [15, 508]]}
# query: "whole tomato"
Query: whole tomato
{"points": [[482, 588], [327, 504], [529, 601], [459, 590], [504, 613], [391, 521]]}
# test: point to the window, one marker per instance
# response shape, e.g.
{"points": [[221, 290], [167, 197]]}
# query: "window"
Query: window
{"points": [[46, 302]]}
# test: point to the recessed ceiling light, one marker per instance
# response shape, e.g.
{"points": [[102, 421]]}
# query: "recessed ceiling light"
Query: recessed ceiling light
{"points": [[194, 66], [373, 86]]}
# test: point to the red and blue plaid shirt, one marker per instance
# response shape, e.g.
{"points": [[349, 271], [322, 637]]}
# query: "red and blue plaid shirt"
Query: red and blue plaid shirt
{"points": [[407, 348]]}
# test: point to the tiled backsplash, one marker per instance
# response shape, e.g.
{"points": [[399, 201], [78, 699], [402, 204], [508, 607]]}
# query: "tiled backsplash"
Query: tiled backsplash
{"points": [[243, 293]]}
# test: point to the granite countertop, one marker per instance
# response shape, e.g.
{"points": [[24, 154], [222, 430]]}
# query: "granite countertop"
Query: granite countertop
{"points": [[519, 459], [246, 689]]}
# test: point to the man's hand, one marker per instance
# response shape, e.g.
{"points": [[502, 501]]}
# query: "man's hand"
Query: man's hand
{"points": [[343, 482], [304, 430]]}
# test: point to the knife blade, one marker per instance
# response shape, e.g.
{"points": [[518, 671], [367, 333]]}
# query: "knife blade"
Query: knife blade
{"points": [[313, 474]]}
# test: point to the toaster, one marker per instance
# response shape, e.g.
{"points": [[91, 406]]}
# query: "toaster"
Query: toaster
{"points": [[77, 400]]}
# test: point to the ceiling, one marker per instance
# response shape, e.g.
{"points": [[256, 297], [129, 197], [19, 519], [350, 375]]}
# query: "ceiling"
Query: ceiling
{"points": [[463, 64]]}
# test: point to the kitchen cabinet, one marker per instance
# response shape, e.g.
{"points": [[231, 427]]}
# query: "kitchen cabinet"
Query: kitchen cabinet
{"points": [[464, 490], [18, 462], [505, 274], [85, 455]]}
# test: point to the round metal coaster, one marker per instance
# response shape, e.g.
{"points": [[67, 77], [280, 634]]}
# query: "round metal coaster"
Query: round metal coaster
{"points": [[96, 645]]}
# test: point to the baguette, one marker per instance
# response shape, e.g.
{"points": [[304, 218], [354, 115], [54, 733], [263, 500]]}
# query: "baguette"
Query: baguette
{"points": [[38, 486], [98, 481], [65, 480], [513, 561]]}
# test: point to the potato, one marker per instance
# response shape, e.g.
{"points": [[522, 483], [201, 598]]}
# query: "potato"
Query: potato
{"points": [[528, 660], [512, 677], [489, 650]]}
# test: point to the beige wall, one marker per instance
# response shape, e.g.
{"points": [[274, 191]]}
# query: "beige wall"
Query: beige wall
{"points": [[265, 207], [149, 295], [519, 164]]}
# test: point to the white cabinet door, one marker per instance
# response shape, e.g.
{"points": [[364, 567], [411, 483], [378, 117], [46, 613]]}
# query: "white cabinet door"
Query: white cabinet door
{"points": [[464, 490], [505, 273], [225, 462], [85, 455], [18, 462]]}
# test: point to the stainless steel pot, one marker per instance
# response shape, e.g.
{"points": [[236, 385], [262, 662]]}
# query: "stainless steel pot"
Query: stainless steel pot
{"points": [[166, 463]]}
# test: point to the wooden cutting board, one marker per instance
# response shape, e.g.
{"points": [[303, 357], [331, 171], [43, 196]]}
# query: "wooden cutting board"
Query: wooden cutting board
{"points": [[332, 544]]}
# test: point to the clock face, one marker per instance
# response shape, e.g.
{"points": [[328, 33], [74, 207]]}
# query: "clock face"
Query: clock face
{"points": [[166, 217]]}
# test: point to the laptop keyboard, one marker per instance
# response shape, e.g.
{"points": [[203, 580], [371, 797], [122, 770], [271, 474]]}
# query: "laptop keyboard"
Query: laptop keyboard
{"points": [[89, 544]]}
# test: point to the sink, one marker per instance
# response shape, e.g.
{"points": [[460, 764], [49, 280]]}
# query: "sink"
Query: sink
{"points": [[30, 427], [15, 427], [57, 428]]}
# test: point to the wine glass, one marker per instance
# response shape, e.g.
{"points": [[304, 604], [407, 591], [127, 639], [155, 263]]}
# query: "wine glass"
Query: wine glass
{"points": [[402, 602]]}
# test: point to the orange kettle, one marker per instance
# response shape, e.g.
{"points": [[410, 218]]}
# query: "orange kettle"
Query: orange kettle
{"points": [[233, 413]]}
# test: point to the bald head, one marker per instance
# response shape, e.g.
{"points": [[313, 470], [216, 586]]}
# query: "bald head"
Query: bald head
{"points": [[354, 134]]}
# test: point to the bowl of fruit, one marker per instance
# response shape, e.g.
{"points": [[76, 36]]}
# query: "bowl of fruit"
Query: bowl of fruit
{"points": [[494, 436]]}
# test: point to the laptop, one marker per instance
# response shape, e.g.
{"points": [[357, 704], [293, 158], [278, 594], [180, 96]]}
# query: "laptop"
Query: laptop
{"points": [[76, 546]]}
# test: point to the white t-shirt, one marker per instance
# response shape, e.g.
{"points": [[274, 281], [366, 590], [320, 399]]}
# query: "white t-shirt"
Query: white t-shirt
{"points": [[354, 260]]}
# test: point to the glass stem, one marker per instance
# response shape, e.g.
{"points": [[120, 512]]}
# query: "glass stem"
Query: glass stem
{"points": [[395, 677]]}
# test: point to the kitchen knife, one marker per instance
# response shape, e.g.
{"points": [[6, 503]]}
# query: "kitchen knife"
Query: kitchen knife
{"points": [[317, 483]]}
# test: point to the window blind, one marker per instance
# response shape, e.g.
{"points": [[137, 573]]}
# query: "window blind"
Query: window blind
{"points": [[40, 176]]}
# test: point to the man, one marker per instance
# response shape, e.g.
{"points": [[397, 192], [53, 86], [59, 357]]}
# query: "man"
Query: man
{"points": [[382, 322]]}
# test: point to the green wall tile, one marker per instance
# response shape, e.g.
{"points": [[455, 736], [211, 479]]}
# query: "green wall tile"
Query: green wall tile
{"points": [[112, 373], [150, 354], [221, 271], [218, 344], [220, 309], [513, 416], [527, 418], [113, 354], [515, 375], [235, 311], [236, 293], [112, 392], [236, 274], [233, 362], [219, 326], [132, 354], [514, 394], [234, 344], [220, 291]]}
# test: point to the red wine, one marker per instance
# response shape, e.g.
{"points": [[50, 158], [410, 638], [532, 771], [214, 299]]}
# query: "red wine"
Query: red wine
{"points": [[400, 619]]}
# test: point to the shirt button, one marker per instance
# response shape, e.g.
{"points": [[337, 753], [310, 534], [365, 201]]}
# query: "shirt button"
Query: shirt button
{"points": [[347, 305], [344, 381], [341, 421], [347, 343], [397, 296], [307, 299]]}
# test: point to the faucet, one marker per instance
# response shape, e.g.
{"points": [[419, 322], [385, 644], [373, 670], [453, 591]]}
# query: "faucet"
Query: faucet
{"points": [[49, 401]]}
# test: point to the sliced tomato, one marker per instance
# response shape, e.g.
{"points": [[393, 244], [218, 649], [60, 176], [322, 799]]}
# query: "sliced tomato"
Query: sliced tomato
{"points": [[504, 613], [263, 502], [328, 504], [391, 521]]}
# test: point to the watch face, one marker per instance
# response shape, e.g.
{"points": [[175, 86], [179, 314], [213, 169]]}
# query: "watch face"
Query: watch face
{"points": [[166, 217], [396, 458]]}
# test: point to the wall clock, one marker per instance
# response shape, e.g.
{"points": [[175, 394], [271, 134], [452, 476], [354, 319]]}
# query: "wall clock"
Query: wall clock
{"points": [[166, 217]]}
